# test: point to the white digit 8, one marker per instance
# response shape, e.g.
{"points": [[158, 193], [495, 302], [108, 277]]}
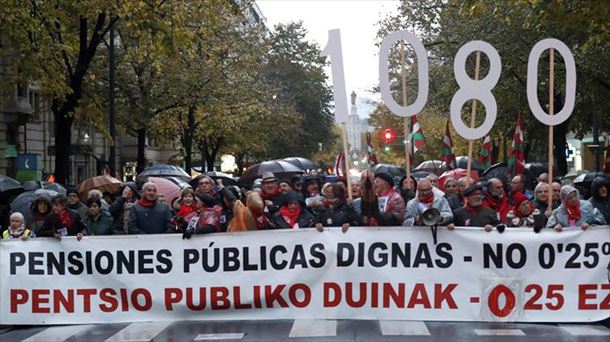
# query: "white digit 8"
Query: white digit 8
{"points": [[422, 70], [532, 82], [472, 89]]}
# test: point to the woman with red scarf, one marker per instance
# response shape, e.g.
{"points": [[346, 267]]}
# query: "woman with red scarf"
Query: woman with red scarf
{"points": [[63, 221], [522, 215], [293, 214], [185, 205], [336, 212], [574, 212]]}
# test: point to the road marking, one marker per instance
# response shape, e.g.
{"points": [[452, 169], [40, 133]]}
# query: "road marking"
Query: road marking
{"points": [[136, 332], [499, 332], [396, 328], [585, 330], [313, 328], [227, 336], [60, 333]]}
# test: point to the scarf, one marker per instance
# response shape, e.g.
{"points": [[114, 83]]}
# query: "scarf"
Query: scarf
{"points": [[574, 212], [331, 203], [186, 209], [290, 217], [146, 203], [500, 206], [473, 210], [427, 200], [269, 196], [65, 219]]}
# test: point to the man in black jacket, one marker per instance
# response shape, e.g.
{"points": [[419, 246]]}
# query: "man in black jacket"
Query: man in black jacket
{"points": [[149, 216], [472, 213]]}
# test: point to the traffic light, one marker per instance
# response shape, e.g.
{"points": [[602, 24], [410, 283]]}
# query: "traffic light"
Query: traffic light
{"points": [[388, 136]]}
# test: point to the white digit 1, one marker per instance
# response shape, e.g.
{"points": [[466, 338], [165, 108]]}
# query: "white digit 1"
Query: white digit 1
{"points": [[472, 89], [532, 82], [334, 51], [422, 70]]}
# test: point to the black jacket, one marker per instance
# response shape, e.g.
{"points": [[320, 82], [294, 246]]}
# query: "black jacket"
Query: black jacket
{"points": [[153, 220], [484, 216], [52, 225], [602, 204], [305, 220], [337, 216], [455, 201]]}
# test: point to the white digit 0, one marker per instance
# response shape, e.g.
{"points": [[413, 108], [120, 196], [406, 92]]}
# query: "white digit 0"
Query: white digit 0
{"points": [[334, 51], [532, 82], [422, 69], [472, 89]]}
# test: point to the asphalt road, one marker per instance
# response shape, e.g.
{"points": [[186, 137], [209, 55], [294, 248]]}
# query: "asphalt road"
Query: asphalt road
{"points": [[311, 330]]}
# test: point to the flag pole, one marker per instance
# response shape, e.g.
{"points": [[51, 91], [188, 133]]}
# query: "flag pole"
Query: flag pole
{"points": [[473, 113], [551, 112], [403, 76], [346, 158]]}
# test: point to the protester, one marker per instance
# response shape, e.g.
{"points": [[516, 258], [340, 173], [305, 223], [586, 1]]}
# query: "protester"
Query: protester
{"points": [[407, 188], [523, 214], [556, 187], [98, 221], [74, 203], [457, 201], [256, 206], [108, 197], [17, 228], [312, 186], [121, 206], [356, 188], [186, 204], [473, 213], [451, 187], [541, 193], [426, 199], [391, 204], [147, 215], [518, 185], [206, 186], [496, 199], [599, 196], [229, 195], [271, 192], [63, 221], [205, 220], [336, 212], [285, 186], [543, 178], [297, 183], [39, 212], [293, 214], [574, 212], [95, 193]]}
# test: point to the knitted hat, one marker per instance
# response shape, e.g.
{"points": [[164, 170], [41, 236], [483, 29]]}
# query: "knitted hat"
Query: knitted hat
{"points": [[519, 198]]}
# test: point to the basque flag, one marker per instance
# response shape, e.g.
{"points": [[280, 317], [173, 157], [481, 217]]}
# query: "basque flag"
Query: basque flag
{"points": [[517, 155]]}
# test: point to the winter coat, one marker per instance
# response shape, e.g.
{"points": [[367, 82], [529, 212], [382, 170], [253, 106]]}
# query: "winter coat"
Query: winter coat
{"points": [[306, 219], [53, 225], [153, 220], [36, 220], [81, 209], [485, 216], [455, 202], [415, 208], [588, 214], [120, 214], [338, 215], [103, 225], [601, 204], [513, 220], [395, 206]]}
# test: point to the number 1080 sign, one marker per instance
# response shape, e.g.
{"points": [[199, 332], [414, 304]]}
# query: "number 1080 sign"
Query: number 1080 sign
{"points": [[480, 90]]}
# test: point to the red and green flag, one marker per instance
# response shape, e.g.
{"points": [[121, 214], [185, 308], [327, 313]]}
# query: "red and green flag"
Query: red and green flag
{"points": [[418, 135], [517, 155], [485, 153], [447, 152]]}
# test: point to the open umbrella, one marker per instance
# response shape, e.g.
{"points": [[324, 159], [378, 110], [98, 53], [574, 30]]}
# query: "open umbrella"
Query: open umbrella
{"points": [[433, 166], [9, 188], [166, 187], [226, 178], [163, 170], [302, 163], [103, 183], [583, 182], [281, 169], [23, 202], [461, 162], [420, 174], [55, 187], [392, 170], [456, 174]]}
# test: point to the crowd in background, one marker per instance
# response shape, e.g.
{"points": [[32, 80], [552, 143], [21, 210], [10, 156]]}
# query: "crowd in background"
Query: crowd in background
{"points": [[306, 202]]}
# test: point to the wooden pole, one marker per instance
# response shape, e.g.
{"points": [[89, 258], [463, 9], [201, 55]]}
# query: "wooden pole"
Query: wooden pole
{"points": [[473, 114], [347, 160], [551, 112], [403, 76]]}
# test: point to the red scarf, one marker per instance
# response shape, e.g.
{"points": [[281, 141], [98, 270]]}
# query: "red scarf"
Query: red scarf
{"points": [[427, 200], [331, 203], [499, 206], [472, 210], [186, 209], [65, 219], [146, 203], [290, 217], [269, 196], [574, 212]]}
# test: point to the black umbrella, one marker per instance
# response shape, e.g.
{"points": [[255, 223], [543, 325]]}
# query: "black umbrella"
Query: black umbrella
{"points": [[281, 169], [225, 177], [434, 166], [420, 174], [461, 162], [32, 185], [9, 188], [55, 187], [583, 182], [496, 171], [302, 163], [163, 170], [392, 170], [23, 202]]}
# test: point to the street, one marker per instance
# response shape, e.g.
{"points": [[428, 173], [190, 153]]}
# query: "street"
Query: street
{"points": [[311, 330]]}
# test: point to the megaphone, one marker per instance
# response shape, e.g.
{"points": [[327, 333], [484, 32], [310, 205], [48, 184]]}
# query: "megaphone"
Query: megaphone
{"points": [[430, 216]]}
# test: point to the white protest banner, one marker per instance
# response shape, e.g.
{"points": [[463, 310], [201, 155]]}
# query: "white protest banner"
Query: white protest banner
{"points": [[392, 273]]}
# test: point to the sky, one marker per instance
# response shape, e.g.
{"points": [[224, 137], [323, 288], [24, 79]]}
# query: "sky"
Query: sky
{"points": [[357, 21]]}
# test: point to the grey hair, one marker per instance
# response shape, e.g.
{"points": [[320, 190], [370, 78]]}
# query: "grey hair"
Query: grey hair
{"points": [[18, 215], [148, 185], [539, 186], [95, 193]]}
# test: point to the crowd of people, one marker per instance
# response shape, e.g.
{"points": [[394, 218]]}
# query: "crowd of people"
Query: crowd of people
{"points": [[305, 202]]}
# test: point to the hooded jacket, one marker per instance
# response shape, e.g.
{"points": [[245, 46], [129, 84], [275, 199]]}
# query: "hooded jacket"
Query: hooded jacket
{"points": [[600, 203], [588, 213]]}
